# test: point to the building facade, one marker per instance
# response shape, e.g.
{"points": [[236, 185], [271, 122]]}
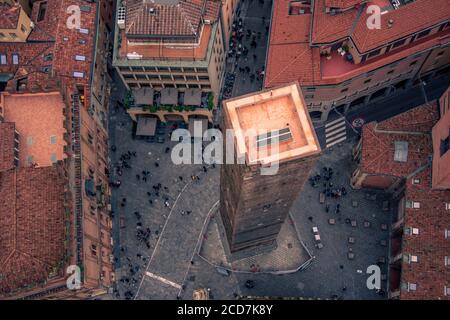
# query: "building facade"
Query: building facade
{"points": [[254, 205], [172, 53], [406, 155], [16, 24], [70, 63], [341, 64]]}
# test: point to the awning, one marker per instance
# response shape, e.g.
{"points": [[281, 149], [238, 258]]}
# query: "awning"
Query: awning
{"points": [[146, 126], [169, 96], [193, 97], [203, 126], [143, 96]]}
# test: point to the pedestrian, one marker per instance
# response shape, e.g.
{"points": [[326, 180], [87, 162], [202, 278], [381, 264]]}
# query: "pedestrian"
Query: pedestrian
{"points": [[156, 164], [138, 177]]}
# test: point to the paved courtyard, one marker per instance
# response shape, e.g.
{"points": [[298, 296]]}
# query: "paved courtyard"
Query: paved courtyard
{"points": [[167, 266], [162, 226]]}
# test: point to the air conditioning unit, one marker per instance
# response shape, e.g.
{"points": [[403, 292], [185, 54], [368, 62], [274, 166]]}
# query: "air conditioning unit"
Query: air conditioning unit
{"points": [[121, 13]]}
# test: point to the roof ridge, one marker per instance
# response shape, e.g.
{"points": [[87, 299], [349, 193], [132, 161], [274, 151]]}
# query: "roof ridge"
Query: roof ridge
{"points": [[186, 15]]}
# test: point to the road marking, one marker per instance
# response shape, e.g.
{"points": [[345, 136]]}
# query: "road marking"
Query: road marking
{"points": [[334, 121], [335, 132], [336, 141], [159, 239], [163, 280]]}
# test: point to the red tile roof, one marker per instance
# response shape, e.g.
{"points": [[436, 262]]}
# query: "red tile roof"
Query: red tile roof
{"points": [[408, 19], [7, 132], [32, 226], [10, 15], [342, 4], [51, 48], [328, 28], [378, 142], [430, 273], [293, 33], [181, 19], [37, 116], [432, 219]]}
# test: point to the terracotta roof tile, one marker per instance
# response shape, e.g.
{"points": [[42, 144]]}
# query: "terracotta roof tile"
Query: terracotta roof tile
{"points": [[408, 19], [181, 19], [342, 4], [32, 226], [378, 144], [7, 132], [38, 117], [10, 15], [328, 28], [430, 273]]}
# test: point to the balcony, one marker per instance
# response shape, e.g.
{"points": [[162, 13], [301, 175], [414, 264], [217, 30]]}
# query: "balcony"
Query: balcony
{"points": [[336, 64]]}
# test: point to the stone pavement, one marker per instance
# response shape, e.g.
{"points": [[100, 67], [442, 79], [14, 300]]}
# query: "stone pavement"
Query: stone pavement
{"points": [[289, 255], [251, 13]]}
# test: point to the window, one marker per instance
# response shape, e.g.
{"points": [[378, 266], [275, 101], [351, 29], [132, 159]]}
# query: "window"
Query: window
{"points": [[15, 58], [46, 69], [447, 261], [412, 204], [413, 258], [413, 63], [401, 151], [48, 57], [77, 74], [23, 28], [52, 139], [399, 43], [30, 141], [374, 53], [80, 58], [53, 157], [423, 33], [447, 233], [84, 31], [445, 145], [416, 181], [2, 35], [309, 96], [367, 81], [447, 291], [447, 206], [310, 89], [2, 58], [412, 286], [415, 231], [42, 10]]}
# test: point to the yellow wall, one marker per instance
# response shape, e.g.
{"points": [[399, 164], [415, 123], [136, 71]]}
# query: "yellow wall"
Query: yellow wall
{"points": [[21, 35]]}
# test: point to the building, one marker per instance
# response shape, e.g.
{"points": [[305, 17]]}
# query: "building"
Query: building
{"points": [[407, 156], [16, 24], [35, 209], [63, 71], [171, 55], [341, 64], [254, 206]]}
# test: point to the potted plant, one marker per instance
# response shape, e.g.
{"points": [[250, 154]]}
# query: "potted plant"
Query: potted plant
{"points": [[210, 101]]}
